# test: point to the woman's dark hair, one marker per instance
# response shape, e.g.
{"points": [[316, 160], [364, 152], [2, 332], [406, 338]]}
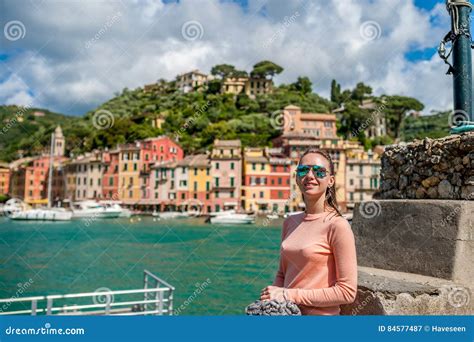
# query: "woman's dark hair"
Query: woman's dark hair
{"points": [[331, 199]]}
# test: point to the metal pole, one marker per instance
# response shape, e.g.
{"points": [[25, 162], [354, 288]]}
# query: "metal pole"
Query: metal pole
{"points": [[462, 64]]}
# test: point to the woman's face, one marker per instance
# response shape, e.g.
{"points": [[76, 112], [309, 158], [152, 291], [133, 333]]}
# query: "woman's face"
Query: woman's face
{"points": [[313, 185]]}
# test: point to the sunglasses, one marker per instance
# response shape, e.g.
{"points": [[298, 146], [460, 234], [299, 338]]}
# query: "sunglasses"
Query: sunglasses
{"points": [[318, 170]]}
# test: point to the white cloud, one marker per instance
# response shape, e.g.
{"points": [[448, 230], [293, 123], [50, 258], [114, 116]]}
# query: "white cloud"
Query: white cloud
{"points": [[77, 55]]}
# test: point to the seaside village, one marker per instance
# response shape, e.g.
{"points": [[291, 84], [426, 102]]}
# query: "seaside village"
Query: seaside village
{"points": [[154, 175]]}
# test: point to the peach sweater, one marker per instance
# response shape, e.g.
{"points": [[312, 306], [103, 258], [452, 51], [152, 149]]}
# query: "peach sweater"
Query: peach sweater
{"points": [[318, 263]]}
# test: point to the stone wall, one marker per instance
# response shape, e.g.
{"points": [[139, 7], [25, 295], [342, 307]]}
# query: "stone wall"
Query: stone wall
{"points": [[431, 168]]}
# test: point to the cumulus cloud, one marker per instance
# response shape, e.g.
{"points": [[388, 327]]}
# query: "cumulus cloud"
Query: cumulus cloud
{"points": [[75, 55]]}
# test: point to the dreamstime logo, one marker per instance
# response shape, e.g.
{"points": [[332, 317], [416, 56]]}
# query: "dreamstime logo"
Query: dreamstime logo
{"points": [[458, 117], [458, 297], [287, 21], [190, 121], [14, 30], [376, 115], [281, 120], [200, 287], [22, 287], [370, 30], [103, 295], [14, 205], [370, 209], [103, 119], [194, 207], [108, 24], [192, 30]]}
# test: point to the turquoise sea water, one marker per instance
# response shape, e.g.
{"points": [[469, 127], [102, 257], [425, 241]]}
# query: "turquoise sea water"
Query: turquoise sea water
{"points": [[82, 256]]}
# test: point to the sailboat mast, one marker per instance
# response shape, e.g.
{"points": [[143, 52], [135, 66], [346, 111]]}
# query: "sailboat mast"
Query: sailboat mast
{"points": [[50, 178]]}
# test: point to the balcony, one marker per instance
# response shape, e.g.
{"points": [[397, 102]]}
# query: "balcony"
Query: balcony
{"points": [[223, 187], [144, 173]]}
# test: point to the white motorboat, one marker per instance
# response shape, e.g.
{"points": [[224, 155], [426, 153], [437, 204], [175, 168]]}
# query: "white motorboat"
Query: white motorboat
{"points": [[220, 213], [124, 212], [232, 218], [272, 216], [88, 209], [42, 214], [170, 214]]}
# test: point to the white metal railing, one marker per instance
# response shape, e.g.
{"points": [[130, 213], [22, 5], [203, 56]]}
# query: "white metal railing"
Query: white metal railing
{"points": [[155, 298]]}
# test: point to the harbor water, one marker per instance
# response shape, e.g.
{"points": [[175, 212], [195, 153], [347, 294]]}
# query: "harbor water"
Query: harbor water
{"points": [[216, 269]]}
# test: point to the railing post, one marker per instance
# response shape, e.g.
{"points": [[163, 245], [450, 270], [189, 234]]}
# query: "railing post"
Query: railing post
{"points": [[160, 304], [107, 306], [49, 306], [34, 306], [145, 286], [170, 303]]}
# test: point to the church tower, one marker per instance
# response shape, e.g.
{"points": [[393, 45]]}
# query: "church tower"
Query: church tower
{"points": [[59, 142]]}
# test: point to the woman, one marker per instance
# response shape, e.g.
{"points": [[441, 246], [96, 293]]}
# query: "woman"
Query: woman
{"points": [[318, 265]]}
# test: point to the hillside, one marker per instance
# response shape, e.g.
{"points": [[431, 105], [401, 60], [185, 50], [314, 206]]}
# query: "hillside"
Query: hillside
{"points": [[199, 117], [23, 130], [196, 118]]}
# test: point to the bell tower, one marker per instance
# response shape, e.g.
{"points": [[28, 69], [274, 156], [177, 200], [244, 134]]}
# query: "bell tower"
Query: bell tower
{"points": [[59, 142]]}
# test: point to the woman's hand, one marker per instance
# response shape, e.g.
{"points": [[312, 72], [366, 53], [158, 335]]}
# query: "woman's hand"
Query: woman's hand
{"points": [[273, 293]]}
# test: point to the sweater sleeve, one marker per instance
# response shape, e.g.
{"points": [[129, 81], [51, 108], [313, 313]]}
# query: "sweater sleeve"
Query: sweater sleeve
{"points": [[345, 289], [280, 275]]}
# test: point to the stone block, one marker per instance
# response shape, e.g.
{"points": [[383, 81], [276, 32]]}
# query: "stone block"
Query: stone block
{"points": [[428, 237]]}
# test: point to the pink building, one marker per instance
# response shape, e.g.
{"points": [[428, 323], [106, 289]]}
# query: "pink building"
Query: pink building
{"points": [[226, 174], [110, 180], [155, 151]]}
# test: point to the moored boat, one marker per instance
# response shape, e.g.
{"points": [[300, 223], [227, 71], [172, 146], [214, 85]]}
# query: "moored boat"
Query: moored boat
{"points": [[231, 217], [170, 214], [42, 214], [88, 209]]}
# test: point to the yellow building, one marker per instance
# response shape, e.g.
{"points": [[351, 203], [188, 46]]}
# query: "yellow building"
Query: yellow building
{"points": [[190, 81], [129, 174], [363, 175], [256, 186], [199, 184], [250, 86]]}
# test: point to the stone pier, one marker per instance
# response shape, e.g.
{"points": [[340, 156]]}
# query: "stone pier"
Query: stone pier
{"points": [[415, 243]]}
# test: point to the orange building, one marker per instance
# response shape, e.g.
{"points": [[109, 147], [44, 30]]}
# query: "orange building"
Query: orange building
{"points": [[4, 178]]}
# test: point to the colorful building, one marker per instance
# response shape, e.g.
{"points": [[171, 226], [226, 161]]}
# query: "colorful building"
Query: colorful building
{"points": [[163, 186], [279, 180], [110, 180], [226, 173], [199, 198], [256, 181], [190, 81], [363, 176], [4, 179], [84, 177], [129, 174], [29, 180], [154, 150], [182, 181]]}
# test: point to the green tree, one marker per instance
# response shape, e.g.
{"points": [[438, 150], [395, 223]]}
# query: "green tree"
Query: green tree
{"points": [[353, 121], [360, 92], [222, 70], [335, 92], [303, 85], [227, 70], [396, 107], [266, 69]]}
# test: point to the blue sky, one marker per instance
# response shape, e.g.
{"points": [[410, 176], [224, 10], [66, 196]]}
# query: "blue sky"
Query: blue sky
{"points": [[70, 57]]}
